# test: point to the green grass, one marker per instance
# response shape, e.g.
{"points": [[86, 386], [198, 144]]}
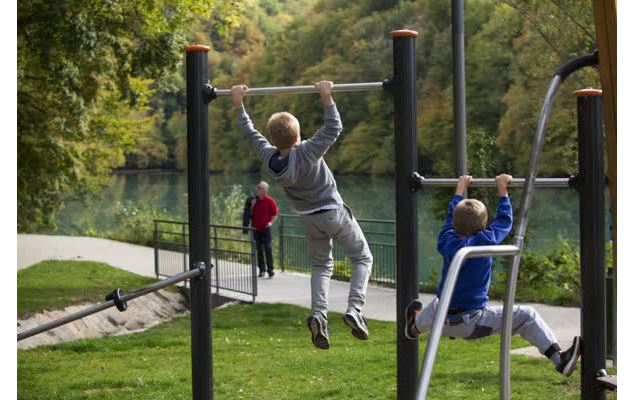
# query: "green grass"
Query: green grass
{"points": [[52, 285], [263, 351]]}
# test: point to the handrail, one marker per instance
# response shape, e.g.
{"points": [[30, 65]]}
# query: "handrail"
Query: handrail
{"points": [[193, 273], [444, 303]]}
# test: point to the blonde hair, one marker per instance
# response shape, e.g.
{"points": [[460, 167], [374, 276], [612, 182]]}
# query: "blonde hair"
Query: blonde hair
{"points": [[470, 216], [284, 130]]}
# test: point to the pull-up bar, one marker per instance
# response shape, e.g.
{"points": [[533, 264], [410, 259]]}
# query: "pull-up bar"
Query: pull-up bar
{"points": [[117, 299], [419, 181], [339, 87]]}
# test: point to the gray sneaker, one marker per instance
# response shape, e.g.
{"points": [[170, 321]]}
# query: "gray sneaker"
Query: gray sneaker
{"points": [[319, 334], [354, 320]]}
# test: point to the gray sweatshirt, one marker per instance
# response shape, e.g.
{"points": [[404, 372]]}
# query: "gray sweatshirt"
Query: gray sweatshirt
{"points": [[307, 180]]}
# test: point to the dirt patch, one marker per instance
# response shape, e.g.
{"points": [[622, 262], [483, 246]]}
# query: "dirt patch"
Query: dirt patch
{"points": [[143, 313]]}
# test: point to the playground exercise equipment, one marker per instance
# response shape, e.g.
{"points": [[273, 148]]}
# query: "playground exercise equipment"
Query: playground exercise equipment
{"points": [[590, 185], [115, 299], [422, 182], [403, 88], [213, 92]]}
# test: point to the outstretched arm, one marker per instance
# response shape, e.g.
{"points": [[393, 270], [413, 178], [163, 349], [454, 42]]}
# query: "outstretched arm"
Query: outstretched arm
{"points": [[258, 142], [496, 232], [323, 139], [448, 226]]}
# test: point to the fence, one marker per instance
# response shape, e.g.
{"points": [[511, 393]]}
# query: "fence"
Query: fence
{"points": [[380, 234], [232, 254]]}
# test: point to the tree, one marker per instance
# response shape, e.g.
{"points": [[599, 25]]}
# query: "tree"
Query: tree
{"points": [[86, 71]]}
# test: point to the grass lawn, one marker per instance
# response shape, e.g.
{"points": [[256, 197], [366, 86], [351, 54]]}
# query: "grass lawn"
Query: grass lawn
{"points": [[263, 351], [57, 284]]}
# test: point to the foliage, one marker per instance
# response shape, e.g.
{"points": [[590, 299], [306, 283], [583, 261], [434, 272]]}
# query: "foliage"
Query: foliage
{"points": [[53, 284], [86, 72], [264, 351]]}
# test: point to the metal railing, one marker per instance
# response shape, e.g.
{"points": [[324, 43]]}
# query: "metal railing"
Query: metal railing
{"points": [[232, 254], [444, 303], [119, 301], [293, 252]]}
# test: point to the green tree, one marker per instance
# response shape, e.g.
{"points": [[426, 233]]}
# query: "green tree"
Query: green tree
{"points": [[86, 71]]}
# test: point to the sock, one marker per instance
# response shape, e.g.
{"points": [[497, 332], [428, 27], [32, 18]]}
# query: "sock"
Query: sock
{"points": [[553, 353]]}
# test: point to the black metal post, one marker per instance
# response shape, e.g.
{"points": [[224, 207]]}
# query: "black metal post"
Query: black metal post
{"points": [[458, 59], [198, 216], [405, 114], [592, 269]]}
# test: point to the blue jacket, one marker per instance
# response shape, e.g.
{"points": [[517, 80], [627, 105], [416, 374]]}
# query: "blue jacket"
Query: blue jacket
{"points": [[474, 279]]}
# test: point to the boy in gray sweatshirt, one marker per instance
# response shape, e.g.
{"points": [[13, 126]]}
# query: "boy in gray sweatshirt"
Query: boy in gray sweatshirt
{"points": [[298, 165]]}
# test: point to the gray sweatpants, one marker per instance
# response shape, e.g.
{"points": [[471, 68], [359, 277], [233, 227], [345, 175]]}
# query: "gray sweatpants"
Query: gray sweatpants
{"points": [[476, 324], [339, 226]]}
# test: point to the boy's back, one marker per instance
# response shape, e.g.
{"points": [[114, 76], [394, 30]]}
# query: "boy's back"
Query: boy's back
{"points": [[474, 278], [303, 173], [309, 183]]}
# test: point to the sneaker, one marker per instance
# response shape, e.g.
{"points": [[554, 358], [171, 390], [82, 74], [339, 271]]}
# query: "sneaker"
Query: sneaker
{"points": [[261, 274], [569, 357], [357, 323], [412, 310], [271, 274], [319, 335]]}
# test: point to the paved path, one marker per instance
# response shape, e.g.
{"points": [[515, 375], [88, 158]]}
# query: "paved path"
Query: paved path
{"points": [[288, 287]]}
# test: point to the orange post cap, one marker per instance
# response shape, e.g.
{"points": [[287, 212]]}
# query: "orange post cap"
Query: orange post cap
{"points": [[588, 92], [194, 48], [404, 33]]}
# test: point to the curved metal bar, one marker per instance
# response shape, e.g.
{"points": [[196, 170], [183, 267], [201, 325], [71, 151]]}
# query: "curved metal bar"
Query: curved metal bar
{"points": [[444, 304], [519, 238], [193, 273], [339, 87], [521, 228], [488, 182]]}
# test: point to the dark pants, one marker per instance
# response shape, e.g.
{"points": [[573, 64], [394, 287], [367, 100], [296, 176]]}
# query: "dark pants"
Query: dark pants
{"points": [[263, 245]]}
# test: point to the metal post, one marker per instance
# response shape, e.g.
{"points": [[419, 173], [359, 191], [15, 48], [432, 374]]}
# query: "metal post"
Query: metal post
{"points": [[405, 114], [254, 279], [592, 225], [458, 58], [198, 216], [184, 246], [281, 243], [156, 249], [216, 260]]}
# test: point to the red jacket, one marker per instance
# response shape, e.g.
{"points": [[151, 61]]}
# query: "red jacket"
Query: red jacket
{"points": [[263, 212]]}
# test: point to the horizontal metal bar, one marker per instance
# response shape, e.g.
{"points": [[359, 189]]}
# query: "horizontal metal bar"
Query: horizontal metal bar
{"points": [[193, 273], [444, 303], [489, 182], [340, 87]]}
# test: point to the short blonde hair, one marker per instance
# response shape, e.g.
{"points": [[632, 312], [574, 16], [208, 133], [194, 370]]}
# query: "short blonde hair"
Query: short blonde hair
{"points": [[284, 130], [470, 216]]}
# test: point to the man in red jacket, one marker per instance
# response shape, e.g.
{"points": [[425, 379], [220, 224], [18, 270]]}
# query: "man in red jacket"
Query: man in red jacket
{"points": [[264, 212]]}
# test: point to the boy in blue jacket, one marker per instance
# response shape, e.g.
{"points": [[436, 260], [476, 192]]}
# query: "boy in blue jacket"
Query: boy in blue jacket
{"points": [[470, 316]]}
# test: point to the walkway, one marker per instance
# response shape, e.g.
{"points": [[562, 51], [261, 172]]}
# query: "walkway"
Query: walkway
{"points": [[288, 287]]}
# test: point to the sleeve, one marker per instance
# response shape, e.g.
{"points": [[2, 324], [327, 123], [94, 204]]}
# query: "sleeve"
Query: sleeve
{"points": [[323, 139], [447, 230], [259, 143], [274, 208], [499, 228]]}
